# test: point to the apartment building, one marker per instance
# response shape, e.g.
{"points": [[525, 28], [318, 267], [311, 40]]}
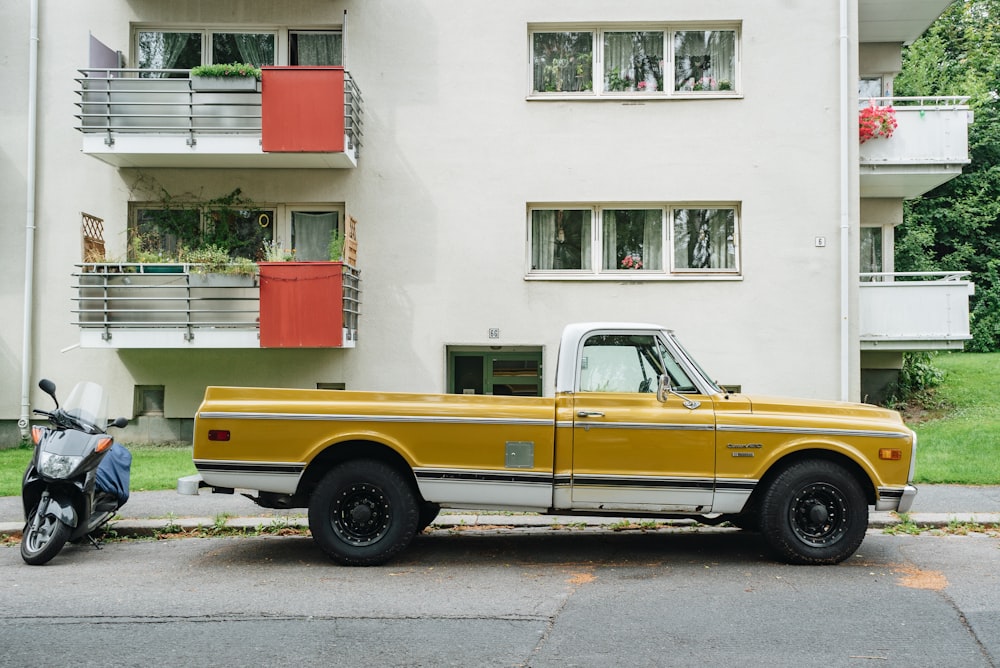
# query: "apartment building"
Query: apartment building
{"points": [[495, 171]]}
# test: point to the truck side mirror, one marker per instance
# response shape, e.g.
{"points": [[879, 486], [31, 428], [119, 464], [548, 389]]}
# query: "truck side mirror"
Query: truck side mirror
{"points": [[664, 390]]}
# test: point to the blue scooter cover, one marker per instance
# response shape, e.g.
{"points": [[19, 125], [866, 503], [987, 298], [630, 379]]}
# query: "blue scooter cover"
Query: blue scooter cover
{"points": [[113, 472]]}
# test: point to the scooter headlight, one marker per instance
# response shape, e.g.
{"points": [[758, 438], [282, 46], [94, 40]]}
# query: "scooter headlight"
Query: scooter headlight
{"points": [[58, 466]]}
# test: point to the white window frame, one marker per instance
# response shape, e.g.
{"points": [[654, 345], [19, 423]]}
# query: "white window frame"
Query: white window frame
{"points": [[281, 33], [668, 272], [597, 73]]}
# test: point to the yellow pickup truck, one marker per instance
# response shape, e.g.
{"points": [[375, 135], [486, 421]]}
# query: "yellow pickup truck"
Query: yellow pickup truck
{"points": [[635, 429]]}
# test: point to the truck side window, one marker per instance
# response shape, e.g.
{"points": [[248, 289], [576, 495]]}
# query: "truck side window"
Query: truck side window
{"points": [[620, 363]]}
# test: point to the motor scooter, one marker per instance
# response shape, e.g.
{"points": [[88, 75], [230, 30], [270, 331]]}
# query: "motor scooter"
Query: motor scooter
{"points": [[78, 477]]}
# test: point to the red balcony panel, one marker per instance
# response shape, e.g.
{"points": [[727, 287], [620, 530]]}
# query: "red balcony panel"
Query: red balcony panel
{"points": [[302, 110], [301, 304]]}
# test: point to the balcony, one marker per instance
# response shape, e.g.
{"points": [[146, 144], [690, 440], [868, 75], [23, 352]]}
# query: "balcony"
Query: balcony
{"points": [[130, 305], [156, 118], [914, 311], [929, 147]]}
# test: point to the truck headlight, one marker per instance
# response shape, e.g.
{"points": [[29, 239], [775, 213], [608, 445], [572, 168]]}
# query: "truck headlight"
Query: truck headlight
{"points": [[58, 466]]}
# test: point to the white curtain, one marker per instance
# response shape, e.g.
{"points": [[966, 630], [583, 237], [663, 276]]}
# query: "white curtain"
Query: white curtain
{"points": [[311, 234]]}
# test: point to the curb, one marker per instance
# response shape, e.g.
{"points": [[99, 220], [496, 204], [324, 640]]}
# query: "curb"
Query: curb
{"points": [[152, 527]]}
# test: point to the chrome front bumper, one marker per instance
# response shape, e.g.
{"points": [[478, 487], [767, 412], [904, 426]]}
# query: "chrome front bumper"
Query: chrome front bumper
{"points": [[896, 499]]}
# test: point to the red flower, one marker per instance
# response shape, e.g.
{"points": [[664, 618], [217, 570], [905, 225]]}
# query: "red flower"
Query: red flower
{"points": [[875, 121]]}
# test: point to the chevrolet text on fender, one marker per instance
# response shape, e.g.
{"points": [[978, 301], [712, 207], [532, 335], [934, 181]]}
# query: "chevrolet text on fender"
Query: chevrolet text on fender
{"points": [[635, 429]]}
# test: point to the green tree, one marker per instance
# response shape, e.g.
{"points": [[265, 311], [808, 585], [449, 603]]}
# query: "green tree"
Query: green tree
{"points": [[957, 225]]}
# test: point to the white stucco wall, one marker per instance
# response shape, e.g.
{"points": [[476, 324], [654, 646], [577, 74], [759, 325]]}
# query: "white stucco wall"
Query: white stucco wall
{"points": [[453, 155]]}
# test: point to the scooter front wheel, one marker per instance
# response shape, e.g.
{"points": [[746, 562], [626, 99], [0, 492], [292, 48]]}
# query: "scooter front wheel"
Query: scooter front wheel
{"points": [[42, 539]]}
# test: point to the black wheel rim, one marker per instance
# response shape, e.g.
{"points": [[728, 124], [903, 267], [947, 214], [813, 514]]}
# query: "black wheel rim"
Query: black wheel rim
{"points": [[361, 514], [818, 514]]}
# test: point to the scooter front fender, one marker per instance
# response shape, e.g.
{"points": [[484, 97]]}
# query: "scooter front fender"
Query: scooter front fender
{"points": [[61, 507]]}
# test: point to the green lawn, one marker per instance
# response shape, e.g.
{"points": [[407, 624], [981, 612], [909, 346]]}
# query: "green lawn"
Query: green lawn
{"points": [[153, 467], [963, 446]]}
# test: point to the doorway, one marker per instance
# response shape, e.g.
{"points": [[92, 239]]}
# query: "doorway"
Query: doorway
{"points": [[513, 371]]}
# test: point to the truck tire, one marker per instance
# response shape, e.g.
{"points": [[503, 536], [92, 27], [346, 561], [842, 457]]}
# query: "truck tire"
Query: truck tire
{"points": [[363, 513], [814, 512], [428, 513]]}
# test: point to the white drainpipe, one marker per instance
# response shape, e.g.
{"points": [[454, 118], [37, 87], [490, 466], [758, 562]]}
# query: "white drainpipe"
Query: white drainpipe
{"points": [[24, 422], [845, 202]]}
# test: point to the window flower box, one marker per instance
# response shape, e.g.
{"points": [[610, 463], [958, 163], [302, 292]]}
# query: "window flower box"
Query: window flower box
{"points": [[235, 77]]}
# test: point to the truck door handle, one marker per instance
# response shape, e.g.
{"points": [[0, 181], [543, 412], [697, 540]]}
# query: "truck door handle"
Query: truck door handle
{"points": [[590, 414]]}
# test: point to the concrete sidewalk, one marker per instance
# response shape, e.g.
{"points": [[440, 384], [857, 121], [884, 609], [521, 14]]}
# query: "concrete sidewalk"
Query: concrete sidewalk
{"points": [[149, 512]]}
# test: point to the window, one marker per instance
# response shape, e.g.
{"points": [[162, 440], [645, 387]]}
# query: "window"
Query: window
{"points": [[563, 61], [871, 252], [169, 50], [166, 49], [633, 62], [704, 60], [633, 239], [868, 88], [561, 239], [315, 47], [704, 239], [149, 400], [628, 363], [236, 223], [162, 232], [312, 232], [661, 242]]}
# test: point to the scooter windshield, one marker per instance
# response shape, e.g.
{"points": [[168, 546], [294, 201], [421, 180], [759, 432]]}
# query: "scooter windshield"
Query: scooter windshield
{"points": [[88, 405]]}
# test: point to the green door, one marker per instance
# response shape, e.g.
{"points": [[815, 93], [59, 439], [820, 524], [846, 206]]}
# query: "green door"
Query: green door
{"points": [[517, 373]]}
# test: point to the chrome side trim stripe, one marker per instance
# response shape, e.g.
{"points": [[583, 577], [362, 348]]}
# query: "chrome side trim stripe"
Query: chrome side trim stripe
{"points": [[332, 417], [662, 426], [810, 431]]}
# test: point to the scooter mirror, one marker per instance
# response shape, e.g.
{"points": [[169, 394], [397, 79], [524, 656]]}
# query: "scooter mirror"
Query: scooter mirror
{"points": [[48, 387], [119, 422]]}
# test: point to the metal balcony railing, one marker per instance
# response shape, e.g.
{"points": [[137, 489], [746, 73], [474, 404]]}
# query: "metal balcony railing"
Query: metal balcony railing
{"points": [[133, 305], [164, 102]]}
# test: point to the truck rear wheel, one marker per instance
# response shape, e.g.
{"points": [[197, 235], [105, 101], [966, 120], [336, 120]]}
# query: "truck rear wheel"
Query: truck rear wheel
{"points": [[814, 512], [363, 513]]}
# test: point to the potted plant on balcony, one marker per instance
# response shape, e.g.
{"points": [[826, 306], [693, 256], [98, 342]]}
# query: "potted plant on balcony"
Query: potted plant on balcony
{"points": [[231, 77], [212, 266], [875, 121]]}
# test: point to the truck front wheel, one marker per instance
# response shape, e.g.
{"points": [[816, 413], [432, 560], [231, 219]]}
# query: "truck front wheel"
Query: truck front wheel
{"points": [[814, 512], [363, 513]]}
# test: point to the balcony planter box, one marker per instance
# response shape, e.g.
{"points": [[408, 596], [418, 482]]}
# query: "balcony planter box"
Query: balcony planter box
{"points": [[224, 83], [220, 280], [301, 304]]}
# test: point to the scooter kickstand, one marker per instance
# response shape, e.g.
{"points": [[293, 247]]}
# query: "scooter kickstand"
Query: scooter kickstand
{"points": [[94, 542]]}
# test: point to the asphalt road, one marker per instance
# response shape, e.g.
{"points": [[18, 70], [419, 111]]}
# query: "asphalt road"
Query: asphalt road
{"points": [[511, 597]]}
